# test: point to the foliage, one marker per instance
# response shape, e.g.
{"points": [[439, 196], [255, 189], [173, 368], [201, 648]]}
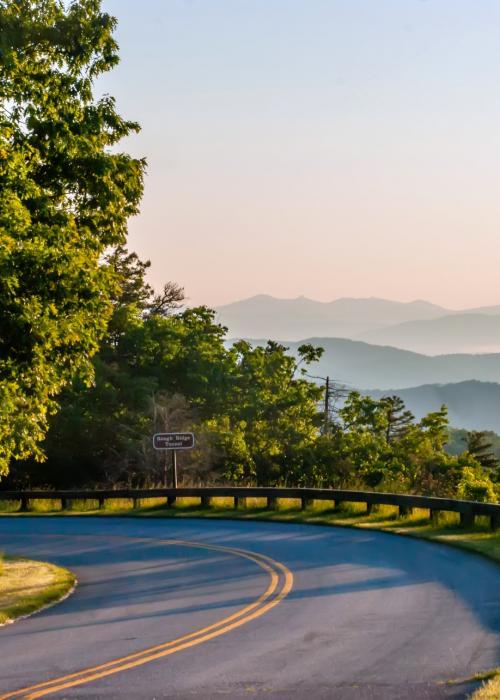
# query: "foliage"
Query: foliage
{"points": [[253, 411], [64, 198], [476, 486], [378, 444], [481, 448], [272, 412]]}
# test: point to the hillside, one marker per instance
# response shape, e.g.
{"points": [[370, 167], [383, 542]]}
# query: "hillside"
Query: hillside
{"points": [[472, 405], [467, 332], [292, 319], [418, 326], [375, 367]]}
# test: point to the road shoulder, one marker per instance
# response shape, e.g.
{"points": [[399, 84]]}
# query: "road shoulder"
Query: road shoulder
{"points": [[28, 586]]}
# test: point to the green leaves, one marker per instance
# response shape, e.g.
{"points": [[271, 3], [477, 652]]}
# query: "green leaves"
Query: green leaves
{"points": [[64, 198]]}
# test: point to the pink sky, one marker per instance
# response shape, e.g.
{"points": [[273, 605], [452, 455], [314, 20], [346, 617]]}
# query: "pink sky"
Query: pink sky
{"points": [[336, 149]]}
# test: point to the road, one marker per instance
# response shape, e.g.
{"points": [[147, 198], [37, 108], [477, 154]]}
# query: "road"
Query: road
{"points": [[367, 616]]}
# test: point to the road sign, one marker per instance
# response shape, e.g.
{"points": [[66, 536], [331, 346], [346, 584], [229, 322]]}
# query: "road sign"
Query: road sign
{"points": [[173, 441]]}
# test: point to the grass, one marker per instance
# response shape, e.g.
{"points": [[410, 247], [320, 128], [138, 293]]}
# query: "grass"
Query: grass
{"points": [[27, 586], [446, 529], [490, 689]]}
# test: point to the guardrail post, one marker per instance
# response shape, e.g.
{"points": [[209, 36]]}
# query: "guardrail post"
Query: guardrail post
{"points": [[434, 514], [406, 504], [467, 519]]}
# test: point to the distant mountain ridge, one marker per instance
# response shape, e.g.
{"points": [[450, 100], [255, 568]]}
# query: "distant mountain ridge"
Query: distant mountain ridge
{"points": [[418, 326], [467, 332], [292, 319], [468, 384], [471, 405], [364, 366]]}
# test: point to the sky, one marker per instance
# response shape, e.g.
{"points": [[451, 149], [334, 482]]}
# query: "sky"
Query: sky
{"points": [[323, 148]]}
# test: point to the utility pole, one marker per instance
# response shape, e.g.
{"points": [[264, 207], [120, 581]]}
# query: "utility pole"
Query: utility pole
{"points": [[327, 406]]}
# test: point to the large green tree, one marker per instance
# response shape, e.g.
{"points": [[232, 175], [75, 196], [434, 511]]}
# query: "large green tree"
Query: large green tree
{"points": [[66, 193]]}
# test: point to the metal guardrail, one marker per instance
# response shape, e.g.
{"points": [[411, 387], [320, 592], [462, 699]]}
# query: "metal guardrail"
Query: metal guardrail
{"points": [[468, 510]]}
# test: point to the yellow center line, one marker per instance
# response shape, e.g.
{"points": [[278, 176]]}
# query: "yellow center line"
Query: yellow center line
{"points": [[265, 602]]}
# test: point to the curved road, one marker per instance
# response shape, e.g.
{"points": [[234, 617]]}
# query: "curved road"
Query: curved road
{"points": [[259, 610]]}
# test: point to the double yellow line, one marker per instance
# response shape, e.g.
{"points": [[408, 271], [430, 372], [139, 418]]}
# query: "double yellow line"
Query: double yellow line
{"points": [[280, 584]]}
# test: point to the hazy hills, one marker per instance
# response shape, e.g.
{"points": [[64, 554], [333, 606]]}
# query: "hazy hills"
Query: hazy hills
{"points": [[468, 384], [418, 326], [292, 319], [471, 332], [424, 353], [471, 405], [365, 366]]}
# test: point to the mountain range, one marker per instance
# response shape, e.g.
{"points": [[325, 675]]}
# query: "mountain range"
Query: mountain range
{"points": [[419, 326], [427, 354], [363, 366], [471, 405]]}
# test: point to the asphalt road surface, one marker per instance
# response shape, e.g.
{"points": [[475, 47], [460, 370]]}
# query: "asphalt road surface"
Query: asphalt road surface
{"points": [[261, 610]]}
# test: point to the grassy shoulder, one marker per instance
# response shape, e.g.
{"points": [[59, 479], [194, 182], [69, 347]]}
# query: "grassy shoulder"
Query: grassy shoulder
{"points": [[446, 529], [490, 689], [26, 586]]}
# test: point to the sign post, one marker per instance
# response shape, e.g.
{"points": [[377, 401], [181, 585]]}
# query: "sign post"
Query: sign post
{"points": [[172, 442]]}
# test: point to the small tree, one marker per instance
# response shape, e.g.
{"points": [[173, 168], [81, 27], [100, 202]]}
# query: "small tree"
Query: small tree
{"points": [[481, 448], [399, 419]]}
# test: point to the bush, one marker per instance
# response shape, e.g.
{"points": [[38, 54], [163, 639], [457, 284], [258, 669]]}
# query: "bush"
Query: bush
{"points": [[476, 486]]}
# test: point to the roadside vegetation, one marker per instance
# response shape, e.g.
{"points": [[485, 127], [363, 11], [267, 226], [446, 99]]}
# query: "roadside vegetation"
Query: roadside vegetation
{"points": [[27, 586], [490, 690]]}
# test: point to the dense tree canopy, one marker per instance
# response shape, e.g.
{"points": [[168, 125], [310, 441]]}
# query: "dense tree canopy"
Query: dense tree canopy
{"points": [[65, 197]]}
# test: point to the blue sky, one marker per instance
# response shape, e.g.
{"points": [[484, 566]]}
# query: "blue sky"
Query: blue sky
{"points": [[325, 148]]}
